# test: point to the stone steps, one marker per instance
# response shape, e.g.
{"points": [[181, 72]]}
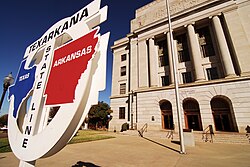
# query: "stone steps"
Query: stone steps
{"points": [[219, 137]]}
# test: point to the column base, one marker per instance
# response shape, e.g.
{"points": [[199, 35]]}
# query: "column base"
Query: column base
{"points": [[200, 80], [245, 74], [231, 76]]}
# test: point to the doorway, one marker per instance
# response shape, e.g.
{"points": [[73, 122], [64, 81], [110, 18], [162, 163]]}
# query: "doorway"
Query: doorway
{"points": [[223, 118], [192, 114], [166, 115]]}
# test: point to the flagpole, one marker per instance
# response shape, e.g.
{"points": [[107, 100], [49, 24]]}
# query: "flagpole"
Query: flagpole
{"points": [[176, 83]]}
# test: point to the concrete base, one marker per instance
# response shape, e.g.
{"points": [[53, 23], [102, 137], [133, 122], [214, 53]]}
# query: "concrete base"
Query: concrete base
{"points": [[188, 137]]}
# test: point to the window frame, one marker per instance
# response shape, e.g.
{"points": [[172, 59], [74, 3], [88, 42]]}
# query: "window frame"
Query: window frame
{"points": [[123, 88], [122, 57], [207, 48], [187, 77], [210, 73], [165, 80], [122, 112], [123, 71]]}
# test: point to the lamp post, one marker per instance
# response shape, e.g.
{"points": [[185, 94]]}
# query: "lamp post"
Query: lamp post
{"points": [[176, 83], [8, 80]]}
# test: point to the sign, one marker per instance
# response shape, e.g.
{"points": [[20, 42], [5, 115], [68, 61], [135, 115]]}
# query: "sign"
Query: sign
{"points": [[61, 72]]}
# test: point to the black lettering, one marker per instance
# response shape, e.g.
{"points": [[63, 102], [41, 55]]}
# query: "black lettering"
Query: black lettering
{"points": [[48, 49], [44, 40], [57, 31], [65, 26], [34, 46], [39, 43], [74, 20], [31, 48], [25, 142], [41, 75], [33, 107], [84, 14], [44, 66], [50, 35], [28, 130], [31, 116], [39, 85], [46, 56]]}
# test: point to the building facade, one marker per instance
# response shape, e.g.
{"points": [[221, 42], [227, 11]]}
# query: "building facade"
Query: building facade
{"points": [[212, 48]]}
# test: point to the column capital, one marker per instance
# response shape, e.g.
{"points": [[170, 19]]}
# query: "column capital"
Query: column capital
{"points": [[215, 15], [191, 23], [150, 38]]}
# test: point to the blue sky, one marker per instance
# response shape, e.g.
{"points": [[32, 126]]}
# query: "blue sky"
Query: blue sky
{"points": [[23, 22]]}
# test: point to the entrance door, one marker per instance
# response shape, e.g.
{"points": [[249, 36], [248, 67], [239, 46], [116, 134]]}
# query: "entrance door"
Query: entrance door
{"points": [[222, 115], [168, 121], [192, 114], [193, 122], [222, 122], [167, 115]]}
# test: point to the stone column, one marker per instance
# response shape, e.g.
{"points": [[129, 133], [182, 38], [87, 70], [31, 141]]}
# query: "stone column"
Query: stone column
{"points": [[153, 63], [223, 47], [195, 53], [170, 59], [134, 64], [143, 64]]}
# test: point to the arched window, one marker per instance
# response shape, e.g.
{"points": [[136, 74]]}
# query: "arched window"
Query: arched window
{"points": [[166, 114], [192, 114], [222, 114]]}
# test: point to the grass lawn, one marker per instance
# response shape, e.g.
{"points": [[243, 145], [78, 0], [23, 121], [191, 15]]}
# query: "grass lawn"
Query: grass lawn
{"points": [[89, 135], [82, 136]]}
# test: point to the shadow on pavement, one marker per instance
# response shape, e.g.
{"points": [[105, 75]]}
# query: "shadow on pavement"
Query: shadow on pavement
{"points": [[161, 144], [85, 164], [2, 157], [176, 142]]}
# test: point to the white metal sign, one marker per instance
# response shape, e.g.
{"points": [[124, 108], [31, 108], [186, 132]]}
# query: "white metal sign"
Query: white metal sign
{"points": [[62, 71]]}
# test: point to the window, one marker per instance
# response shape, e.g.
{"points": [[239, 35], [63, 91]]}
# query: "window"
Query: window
{"points": [[163, 61], [163, 53], [205, 42], [123, 88], [187, 77], [123, 71], [165, 80], [123, 57], [212, 73], [121, 112], [182, 48]]}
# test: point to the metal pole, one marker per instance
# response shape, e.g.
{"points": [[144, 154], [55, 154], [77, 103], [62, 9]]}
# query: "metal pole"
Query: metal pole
{"points": [[176, 83], [5, 88]]}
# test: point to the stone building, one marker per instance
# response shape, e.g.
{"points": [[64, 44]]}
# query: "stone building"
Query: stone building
{"points": [[212, 44]]}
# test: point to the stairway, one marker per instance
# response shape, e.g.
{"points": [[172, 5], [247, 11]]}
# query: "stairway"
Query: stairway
{"points": [[230, 138], [218, 137]]}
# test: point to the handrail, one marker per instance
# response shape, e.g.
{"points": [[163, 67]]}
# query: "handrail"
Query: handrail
{"points": [[248, 137], [143, 129], [170, 134], [248, 133], [208, 131]]}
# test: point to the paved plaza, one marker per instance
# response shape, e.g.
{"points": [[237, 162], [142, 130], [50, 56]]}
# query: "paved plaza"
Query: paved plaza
{"points": [[129, 151]]}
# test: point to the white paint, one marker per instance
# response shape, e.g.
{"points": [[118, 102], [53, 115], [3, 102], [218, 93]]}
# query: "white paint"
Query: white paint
{"points": [[36, 139]]}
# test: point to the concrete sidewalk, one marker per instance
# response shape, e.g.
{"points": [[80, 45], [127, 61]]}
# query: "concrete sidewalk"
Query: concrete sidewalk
{"points": [[129, 151]]}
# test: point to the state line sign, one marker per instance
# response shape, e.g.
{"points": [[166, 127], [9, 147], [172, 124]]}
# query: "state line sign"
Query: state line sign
{"points": [[62, 71]]}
